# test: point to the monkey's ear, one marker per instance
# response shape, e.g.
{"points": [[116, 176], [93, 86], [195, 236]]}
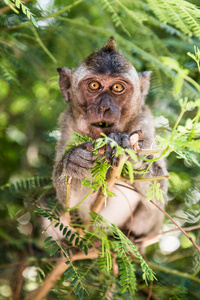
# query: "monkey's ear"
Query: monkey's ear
{"points": [[65, 83], [145, 83]]}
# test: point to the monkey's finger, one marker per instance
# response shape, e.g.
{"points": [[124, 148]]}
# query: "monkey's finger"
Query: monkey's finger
{"points": [[115, 160], [116, 137], [108, 152], [83, 158], [134, 139], [139, 132], [88, 146], [125, 142], [102, 149], [77, 171]]}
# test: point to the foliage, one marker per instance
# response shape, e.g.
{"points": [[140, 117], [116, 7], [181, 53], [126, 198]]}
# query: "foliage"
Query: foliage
{"points": [[154, 35], [15, 5]]}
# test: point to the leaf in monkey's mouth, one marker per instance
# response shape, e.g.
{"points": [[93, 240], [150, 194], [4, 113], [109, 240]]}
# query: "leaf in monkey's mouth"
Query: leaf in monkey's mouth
{"points": [[102, 124]]}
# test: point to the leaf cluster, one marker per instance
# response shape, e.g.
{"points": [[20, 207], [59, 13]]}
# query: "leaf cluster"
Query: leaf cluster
{"points": [[16, 5]]}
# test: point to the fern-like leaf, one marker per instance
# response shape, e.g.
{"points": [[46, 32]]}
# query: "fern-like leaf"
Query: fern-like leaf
{"points": [[180, 13], [127, 277], [109, 5], [13, 4], [5, 74]]}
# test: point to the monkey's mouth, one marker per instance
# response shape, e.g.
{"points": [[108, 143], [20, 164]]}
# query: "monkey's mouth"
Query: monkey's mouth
{"points": [[102, 124]]}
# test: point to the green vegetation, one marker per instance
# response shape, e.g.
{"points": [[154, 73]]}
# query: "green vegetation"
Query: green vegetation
{"points": [[36, 37]]}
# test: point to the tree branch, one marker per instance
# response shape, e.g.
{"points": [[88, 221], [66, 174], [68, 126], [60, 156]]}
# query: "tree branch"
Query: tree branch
{"points": [[112, 177], [154, 239], [49, 282]]}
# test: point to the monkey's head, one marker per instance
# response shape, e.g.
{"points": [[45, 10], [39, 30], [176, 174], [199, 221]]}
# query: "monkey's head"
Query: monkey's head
{"points": [[105, 91]]}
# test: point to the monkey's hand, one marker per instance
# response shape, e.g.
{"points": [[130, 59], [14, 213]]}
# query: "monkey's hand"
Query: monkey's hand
{"points": [[79, 159], [127, 141], [122, 139]]}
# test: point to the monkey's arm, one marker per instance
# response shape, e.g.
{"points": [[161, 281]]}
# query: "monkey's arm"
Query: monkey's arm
{"points": [[74, 162]]}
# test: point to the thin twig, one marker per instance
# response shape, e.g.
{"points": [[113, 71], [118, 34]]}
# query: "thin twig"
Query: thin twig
{"points": [[181, 229], [159, 235], [42, 45], [68, 184], [174, 272], [121, 178], [49, 282], [169, 217], [150, 151]]}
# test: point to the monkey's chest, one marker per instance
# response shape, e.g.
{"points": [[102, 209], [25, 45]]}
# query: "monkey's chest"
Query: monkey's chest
{"points": [[117, 209]]}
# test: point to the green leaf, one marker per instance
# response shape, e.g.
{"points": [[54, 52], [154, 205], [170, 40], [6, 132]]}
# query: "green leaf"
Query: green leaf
{"points": [[74, 281], [47, 239], [68, 270], [81, 245], [68, 275], [49, 244], [86, 250], [54, 250], [76, 241], [71, 238], [65, 230], [68, 234], [17, 3], [34, 22], [130, 171], [77, 288]]}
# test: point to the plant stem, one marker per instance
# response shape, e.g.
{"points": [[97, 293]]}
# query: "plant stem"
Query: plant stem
{"points": [[144, 179], [69, 179], [42, 45], [195, 124], [112, 177], [159, 235], [181, 229], [183, 110], [169, 217], [193, 82], [174, 272], [78, 205]]}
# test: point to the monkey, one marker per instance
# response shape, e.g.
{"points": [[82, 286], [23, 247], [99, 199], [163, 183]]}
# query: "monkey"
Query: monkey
{"points": [[105, 94]]}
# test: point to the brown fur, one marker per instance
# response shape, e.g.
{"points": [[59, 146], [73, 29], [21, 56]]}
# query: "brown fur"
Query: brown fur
{"points": [[125, 112]]}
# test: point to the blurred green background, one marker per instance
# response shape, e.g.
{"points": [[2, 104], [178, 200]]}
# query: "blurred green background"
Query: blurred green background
{"points": [[153, 35]]}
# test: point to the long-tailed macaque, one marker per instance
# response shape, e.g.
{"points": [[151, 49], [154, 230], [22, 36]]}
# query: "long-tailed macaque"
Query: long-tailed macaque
{"points": [[107, 95]]}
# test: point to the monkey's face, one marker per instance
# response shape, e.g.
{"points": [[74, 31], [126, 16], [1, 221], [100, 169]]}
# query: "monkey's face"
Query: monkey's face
{"points": [[105, 91], [105, 102]]}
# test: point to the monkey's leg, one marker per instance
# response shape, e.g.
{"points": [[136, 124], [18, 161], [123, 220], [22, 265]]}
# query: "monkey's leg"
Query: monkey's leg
{"points": [[147, 220], [119, 208]]}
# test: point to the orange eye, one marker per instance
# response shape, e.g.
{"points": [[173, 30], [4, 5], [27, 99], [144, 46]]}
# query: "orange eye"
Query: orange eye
{"points": [[117, 87], [94, 85]]}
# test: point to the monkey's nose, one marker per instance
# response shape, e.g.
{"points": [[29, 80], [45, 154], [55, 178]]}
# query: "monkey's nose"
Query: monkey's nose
{"points": [[103, 108], [104, 104]]}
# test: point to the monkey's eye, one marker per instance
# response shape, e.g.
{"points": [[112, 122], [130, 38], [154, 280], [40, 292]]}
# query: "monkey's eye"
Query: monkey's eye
{"points": [[94, 85], [117, 87]]}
